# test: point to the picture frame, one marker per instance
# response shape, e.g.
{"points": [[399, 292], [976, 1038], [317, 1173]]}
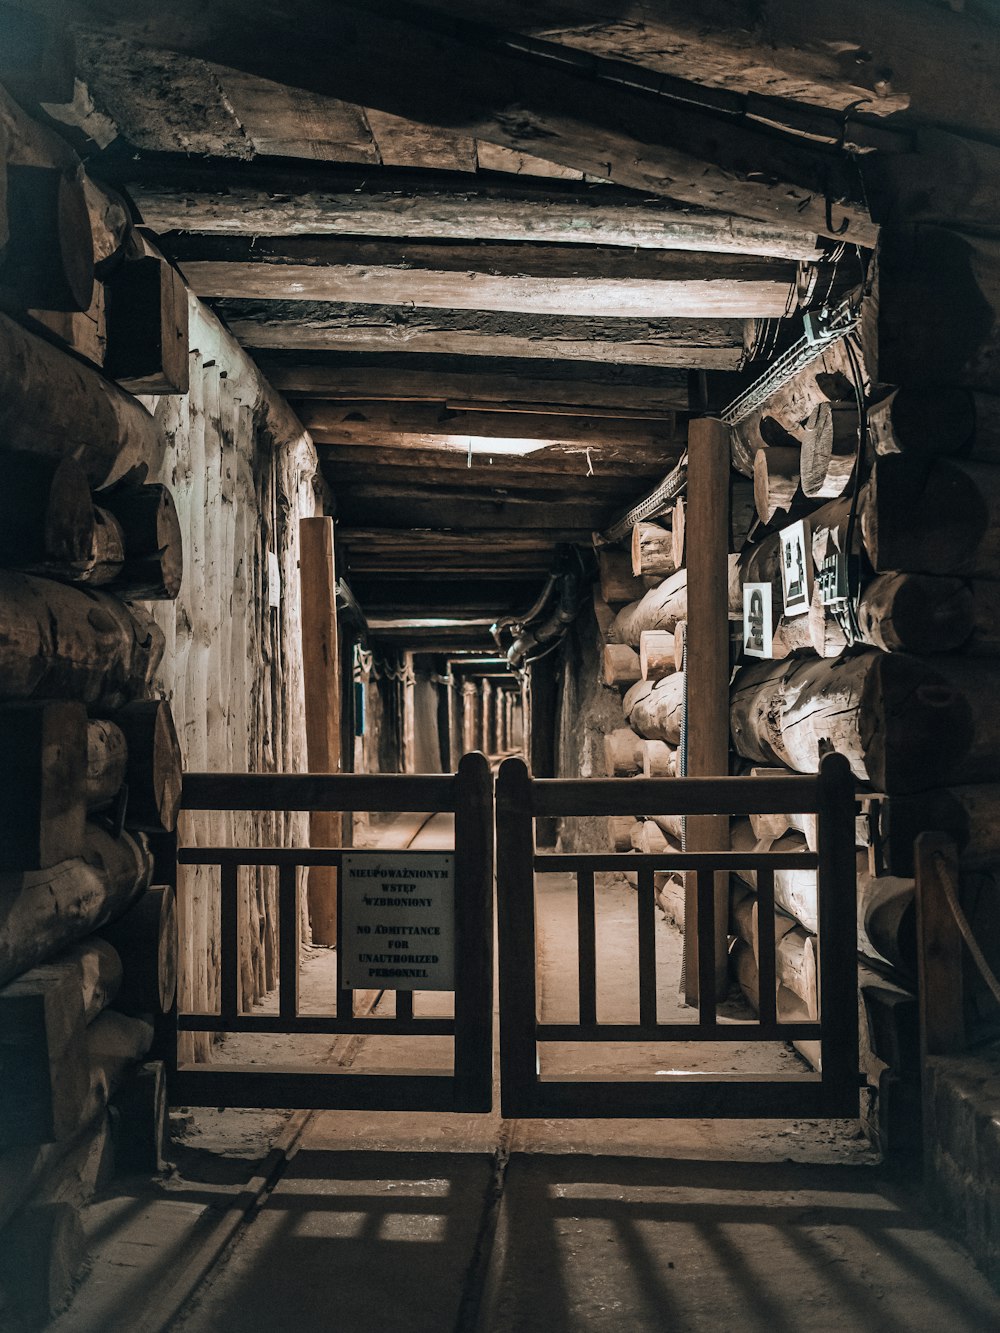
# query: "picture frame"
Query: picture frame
{"points": [[758, 620], [796, 568]]}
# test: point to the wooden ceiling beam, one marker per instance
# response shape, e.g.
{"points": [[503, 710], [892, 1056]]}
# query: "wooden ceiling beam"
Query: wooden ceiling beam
{"points": [[603, 117], [547, 463], [354, 423], [712, 344], [898, 48], [576, 389], [736, 48], [534, 574], [470, 596], [456, 508], [598, 281], [226, 196], [573, 452], [557, 484], [375, 536]]}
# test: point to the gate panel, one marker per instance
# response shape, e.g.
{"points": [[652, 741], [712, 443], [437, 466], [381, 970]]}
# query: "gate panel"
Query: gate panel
{"points": [[526, 1093], [469, 1087]]}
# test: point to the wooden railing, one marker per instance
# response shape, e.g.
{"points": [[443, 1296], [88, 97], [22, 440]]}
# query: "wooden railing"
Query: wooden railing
{"points": [[833, 1092], [469, 795]]}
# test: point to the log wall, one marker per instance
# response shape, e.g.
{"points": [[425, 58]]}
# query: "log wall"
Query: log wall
{"points": [[149, 598]]}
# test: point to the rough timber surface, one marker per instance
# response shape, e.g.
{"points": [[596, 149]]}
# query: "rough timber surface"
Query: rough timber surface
{"points": [[241, 470]]}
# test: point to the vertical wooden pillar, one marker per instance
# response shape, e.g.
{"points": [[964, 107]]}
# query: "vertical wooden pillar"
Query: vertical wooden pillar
{"points": [[707, 678], [540, 741], [470, 703], [486, 702], [321, 672], [454, 721], [408, 720]]}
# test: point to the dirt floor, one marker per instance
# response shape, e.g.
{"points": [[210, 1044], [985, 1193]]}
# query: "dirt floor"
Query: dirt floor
{"points": [[415, 1223]]}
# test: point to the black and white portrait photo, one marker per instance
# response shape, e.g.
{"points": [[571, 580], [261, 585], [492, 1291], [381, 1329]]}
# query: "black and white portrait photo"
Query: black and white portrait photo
{"points": [[757, 619], [796, 568]]}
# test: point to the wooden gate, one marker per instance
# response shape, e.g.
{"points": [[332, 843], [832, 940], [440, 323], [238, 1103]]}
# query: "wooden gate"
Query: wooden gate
{"points": [[526, 1092], [469, 1087]]}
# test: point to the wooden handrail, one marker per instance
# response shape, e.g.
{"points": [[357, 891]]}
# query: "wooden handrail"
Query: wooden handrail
{"points": [[380, 792], [629, 862], [794, 794]]}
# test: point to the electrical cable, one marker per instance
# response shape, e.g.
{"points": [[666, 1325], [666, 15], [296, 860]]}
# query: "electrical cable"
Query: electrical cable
{"points": [[854, 575]]}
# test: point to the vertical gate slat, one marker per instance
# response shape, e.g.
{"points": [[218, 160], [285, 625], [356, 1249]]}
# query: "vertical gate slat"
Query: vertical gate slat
{"points": [[586, 946], [474, 859], [229, 930], [647, 948], [288, 942], [706, 947], [767, 996], [516, 920]]}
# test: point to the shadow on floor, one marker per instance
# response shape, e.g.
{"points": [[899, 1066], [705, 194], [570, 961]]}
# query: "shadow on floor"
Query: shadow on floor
{"points": [[602, 1243], [376, 1242]]}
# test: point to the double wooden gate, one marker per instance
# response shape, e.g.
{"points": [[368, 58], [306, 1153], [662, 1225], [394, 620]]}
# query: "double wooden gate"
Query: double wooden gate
{"points": [[527, 1091]]}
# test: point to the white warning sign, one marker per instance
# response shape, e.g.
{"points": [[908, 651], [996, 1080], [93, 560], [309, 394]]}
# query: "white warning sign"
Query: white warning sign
{"points": [[397, 920]]}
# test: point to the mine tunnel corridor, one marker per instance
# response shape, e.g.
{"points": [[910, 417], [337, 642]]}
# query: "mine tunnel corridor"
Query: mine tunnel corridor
{"points": [[499, 761]]}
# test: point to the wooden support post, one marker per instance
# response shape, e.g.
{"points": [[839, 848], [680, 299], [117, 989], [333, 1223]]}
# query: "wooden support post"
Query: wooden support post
{"points": [[540, 741], [488, 745], [707, 675], [470, 702], [321, 670], [454, 721]]}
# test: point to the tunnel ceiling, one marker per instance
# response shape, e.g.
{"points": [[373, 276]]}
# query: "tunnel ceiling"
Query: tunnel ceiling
{"points": [[481, 247]]}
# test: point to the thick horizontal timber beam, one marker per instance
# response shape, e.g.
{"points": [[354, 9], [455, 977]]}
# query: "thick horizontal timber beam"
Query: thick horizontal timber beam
{"points": [[555, 462], [712, 344], [233, 198], [374, 536], [440, 507], [577, 389], [530, 279], [601, 117], [536, 573], [378, 444], [354, 423], [421, 596], [556, 484]]}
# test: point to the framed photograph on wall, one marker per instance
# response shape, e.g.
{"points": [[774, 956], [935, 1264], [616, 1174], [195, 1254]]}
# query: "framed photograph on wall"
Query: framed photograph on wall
{"points": [[758, 623], [796, 568]]}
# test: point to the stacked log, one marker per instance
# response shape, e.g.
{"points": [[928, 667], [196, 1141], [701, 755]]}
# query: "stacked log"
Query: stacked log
{"points": [[128, 543], [898, 675], [639, 659], [657, 654], [652, 549], [621, 665], [89, 763], [617, 582], [47, 256], [776, 485]]}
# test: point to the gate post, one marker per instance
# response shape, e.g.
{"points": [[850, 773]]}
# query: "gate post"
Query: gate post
{"points": [[838, 948], [706, 680], [516, 922], [474, 933]]}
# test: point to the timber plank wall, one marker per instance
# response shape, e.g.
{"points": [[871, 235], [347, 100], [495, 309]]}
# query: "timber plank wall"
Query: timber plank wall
{"points": [[242, 469]]}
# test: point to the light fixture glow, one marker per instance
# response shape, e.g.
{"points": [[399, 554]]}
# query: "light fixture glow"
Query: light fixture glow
{"points": [[479, 445]]}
